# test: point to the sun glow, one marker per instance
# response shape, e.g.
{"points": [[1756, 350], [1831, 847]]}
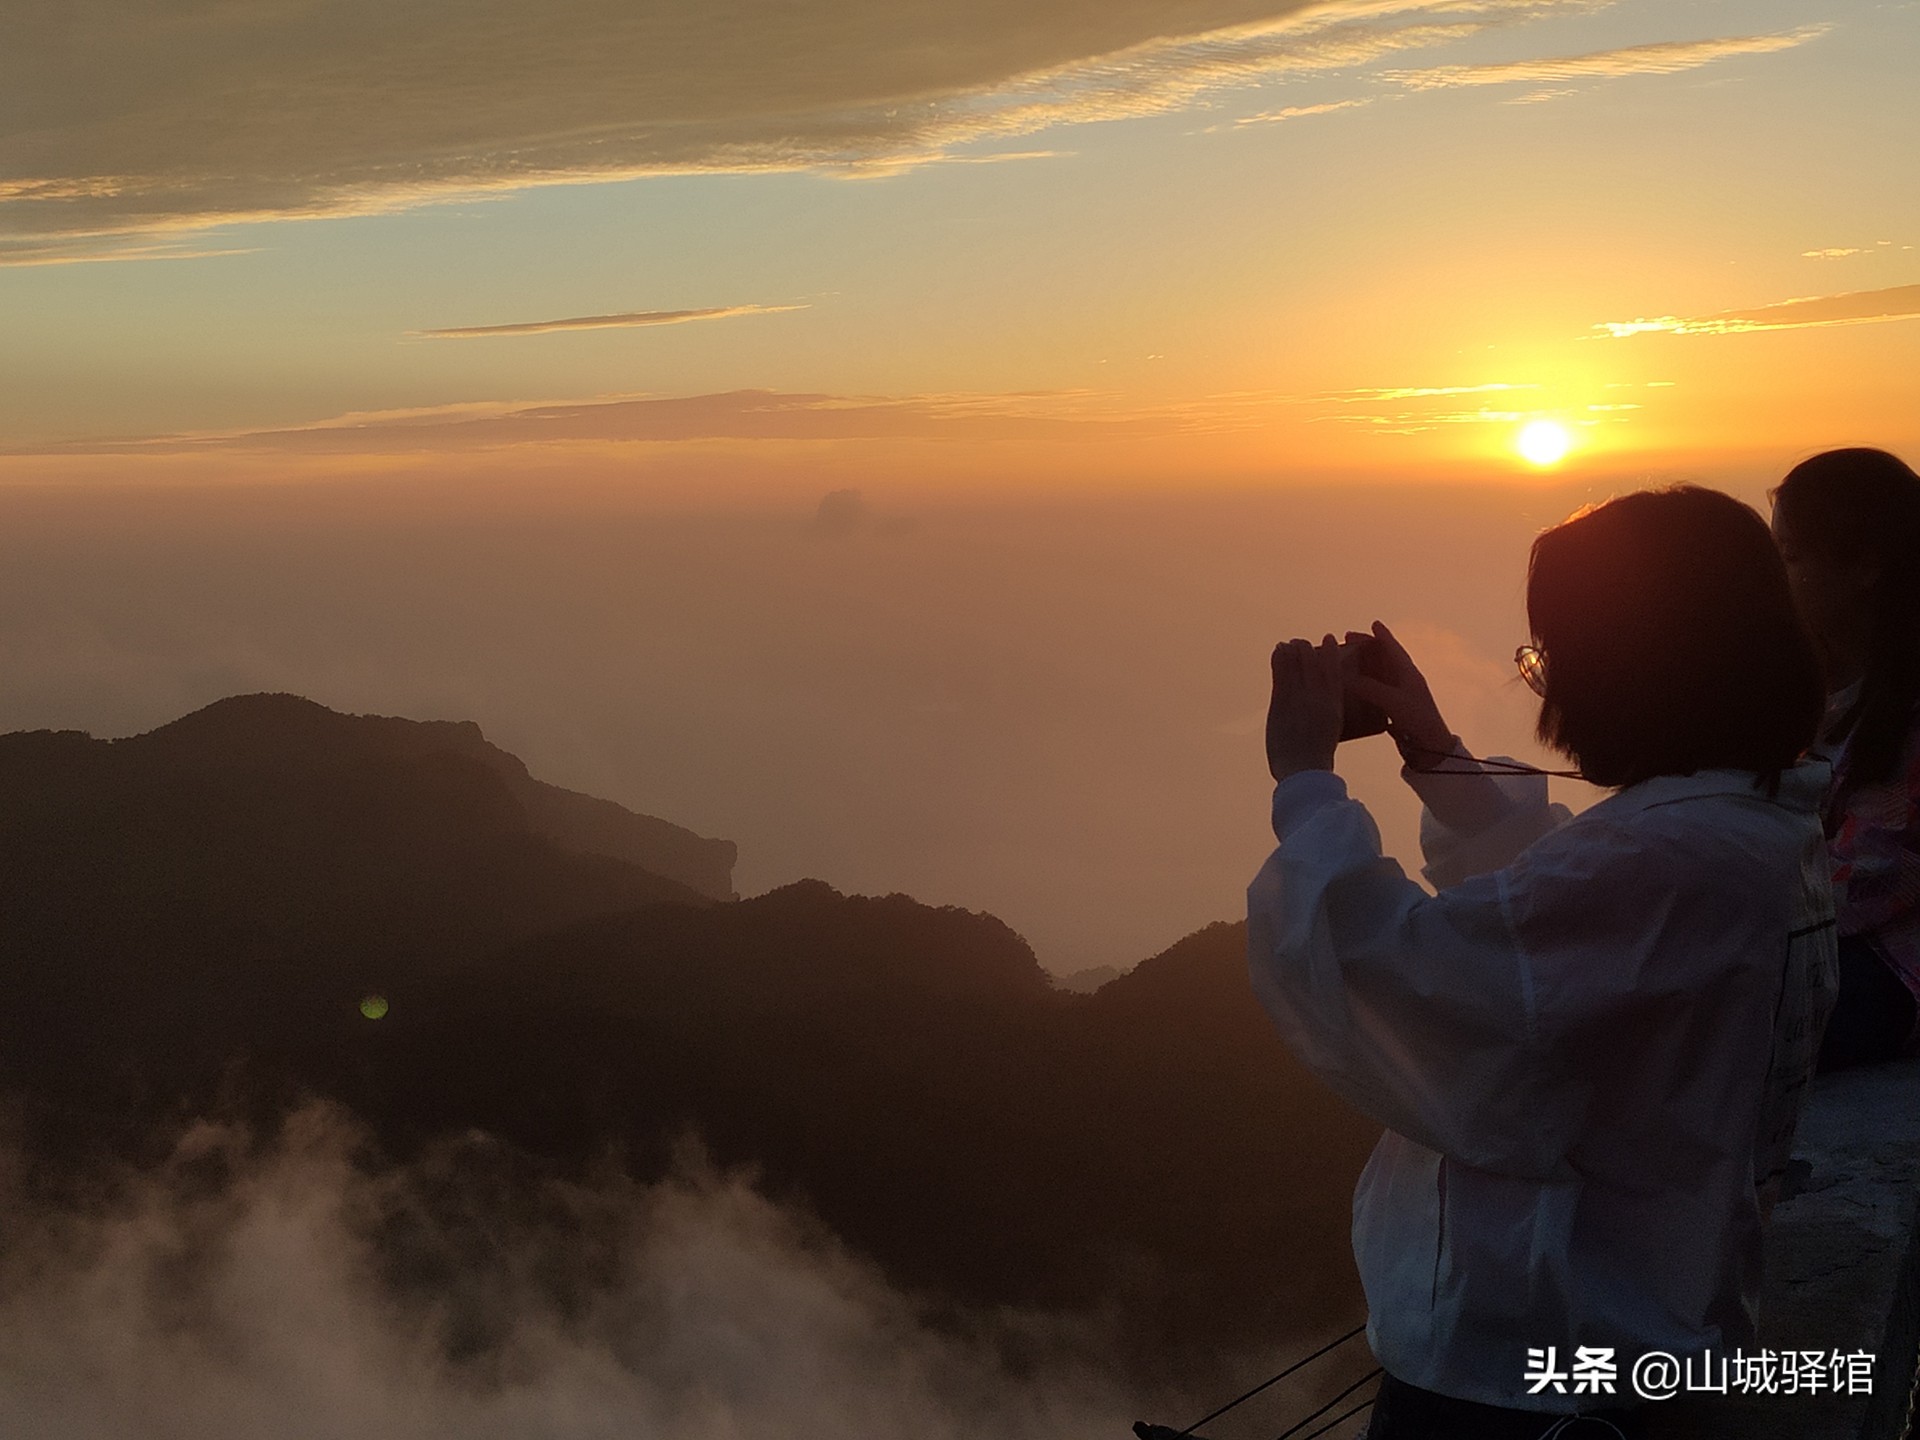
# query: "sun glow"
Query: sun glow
{"points": [[1543, 442]]}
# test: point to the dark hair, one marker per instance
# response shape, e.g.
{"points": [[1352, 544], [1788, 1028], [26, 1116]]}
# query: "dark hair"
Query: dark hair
{"points": [[1671, 639], [1860, 505]]}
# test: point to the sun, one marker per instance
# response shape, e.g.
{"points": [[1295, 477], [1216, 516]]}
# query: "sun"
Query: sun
{"points": [[1543, 442]]}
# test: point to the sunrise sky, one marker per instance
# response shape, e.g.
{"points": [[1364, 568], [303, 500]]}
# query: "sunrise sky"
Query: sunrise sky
{"points": [[480, 359]]}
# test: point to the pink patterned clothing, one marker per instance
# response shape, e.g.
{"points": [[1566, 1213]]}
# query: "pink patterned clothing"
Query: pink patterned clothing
{"points": [[1873, 836]]}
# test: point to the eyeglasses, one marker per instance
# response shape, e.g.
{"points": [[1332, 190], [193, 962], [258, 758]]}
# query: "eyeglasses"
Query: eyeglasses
{"points": [[1532, 664]]}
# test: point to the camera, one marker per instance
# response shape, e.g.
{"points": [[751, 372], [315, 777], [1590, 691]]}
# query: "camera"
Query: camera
{"points": [[1361, 655]]}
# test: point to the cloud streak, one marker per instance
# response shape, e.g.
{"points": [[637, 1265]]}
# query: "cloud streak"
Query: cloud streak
{"points": [[134, 118], [1298, 112], [744, 415], [631, 318], [1418, 409], [1858, 307], [1415, 392], [1666, 58]]}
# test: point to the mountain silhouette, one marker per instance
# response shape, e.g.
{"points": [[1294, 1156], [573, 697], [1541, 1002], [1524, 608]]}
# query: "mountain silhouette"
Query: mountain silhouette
{"points": [[237, 881], [198, 913]]}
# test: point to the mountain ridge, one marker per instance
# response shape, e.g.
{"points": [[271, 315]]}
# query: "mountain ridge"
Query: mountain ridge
{"points": [[190, 920], [569, 818]]}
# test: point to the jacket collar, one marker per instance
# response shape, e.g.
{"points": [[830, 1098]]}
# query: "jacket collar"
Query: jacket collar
{"points": [[1802, 788]]}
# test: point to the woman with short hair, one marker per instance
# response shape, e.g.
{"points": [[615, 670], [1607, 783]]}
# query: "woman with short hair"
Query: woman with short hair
{"points": [[1848, 527], [1589, 1047]]}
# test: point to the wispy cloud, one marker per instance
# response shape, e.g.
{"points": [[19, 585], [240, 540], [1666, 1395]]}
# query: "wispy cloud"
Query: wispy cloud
{"points": [[1413, 392], [64, 252], [180, 115], [1670, 57], [1417, 420], [1296, 112], [1417, 409], [1859, 307], [998, 157], [1383, 409], [602, 322], [745, 415], [1841, 252]]}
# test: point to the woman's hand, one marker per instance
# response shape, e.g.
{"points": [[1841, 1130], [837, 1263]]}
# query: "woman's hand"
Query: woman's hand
{"points": [[1412, 717], [1303, 718]]}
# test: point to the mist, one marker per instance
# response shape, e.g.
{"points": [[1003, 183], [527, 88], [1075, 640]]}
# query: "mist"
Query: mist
{"points": [[291, 1287], [1046, 706]]}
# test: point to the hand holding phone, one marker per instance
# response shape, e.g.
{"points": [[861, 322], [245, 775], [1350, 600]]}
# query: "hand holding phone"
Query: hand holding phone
{"points": [[1384, 682], [1361, 657], [1303, 717]]}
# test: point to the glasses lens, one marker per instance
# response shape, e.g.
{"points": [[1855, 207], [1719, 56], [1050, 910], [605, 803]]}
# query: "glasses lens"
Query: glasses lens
{"points": [[1533, 668]]}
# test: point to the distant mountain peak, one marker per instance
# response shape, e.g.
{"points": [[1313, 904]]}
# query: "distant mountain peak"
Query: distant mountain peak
{"points": [[268, 725]]}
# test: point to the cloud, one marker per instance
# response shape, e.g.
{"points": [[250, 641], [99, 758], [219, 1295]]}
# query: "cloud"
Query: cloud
{"points": [[995, 157], [1540, 97], [131, 118], [1841, 252], [1414, 409], [1859, 307], [61, 252], [1296, 112], [1665, 58], [841, 512], [1392, 409], [732, 415], [603, 322], [1415, 392], [1414, 422], [279, 1289]]}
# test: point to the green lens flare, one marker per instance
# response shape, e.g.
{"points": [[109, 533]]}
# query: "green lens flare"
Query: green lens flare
{"points": [[374, 1006]]}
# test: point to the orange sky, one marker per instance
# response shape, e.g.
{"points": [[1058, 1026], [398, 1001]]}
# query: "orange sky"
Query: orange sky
{"points": [[1092, 315]]}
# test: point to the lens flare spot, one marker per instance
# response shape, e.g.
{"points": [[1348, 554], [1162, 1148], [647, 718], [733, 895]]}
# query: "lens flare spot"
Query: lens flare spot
{"points": [[374, 1006], [1543, 442]]}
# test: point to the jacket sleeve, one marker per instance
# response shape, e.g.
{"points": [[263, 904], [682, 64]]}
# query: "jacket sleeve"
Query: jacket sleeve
{"points": [[1472, 824], [1421, 1010]]}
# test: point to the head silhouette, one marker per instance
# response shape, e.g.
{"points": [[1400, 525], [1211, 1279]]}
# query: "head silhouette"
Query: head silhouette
{"points": [[1848, 522], [1671, 639]]}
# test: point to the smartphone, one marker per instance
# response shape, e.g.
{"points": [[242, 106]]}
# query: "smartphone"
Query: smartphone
{"points": [[1361, 718]]}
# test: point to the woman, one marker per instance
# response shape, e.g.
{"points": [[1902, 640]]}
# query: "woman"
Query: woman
{"points": [[1848, 526], [1588, 1048]]}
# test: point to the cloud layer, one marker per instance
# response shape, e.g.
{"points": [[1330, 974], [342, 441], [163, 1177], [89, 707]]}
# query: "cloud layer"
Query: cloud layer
{"points": [[1858, 307], [122, 118], [263, 1305]]}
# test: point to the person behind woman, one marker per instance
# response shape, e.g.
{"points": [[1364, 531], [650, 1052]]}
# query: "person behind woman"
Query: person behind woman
{"points": [[1588, 1048], [1848, 526]]}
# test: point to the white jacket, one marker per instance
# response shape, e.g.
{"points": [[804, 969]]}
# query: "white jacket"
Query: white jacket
{"points": [[1589, 1058]]}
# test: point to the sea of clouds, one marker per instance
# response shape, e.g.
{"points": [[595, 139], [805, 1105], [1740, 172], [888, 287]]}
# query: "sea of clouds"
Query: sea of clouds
{"points": [[292, 1287]]}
